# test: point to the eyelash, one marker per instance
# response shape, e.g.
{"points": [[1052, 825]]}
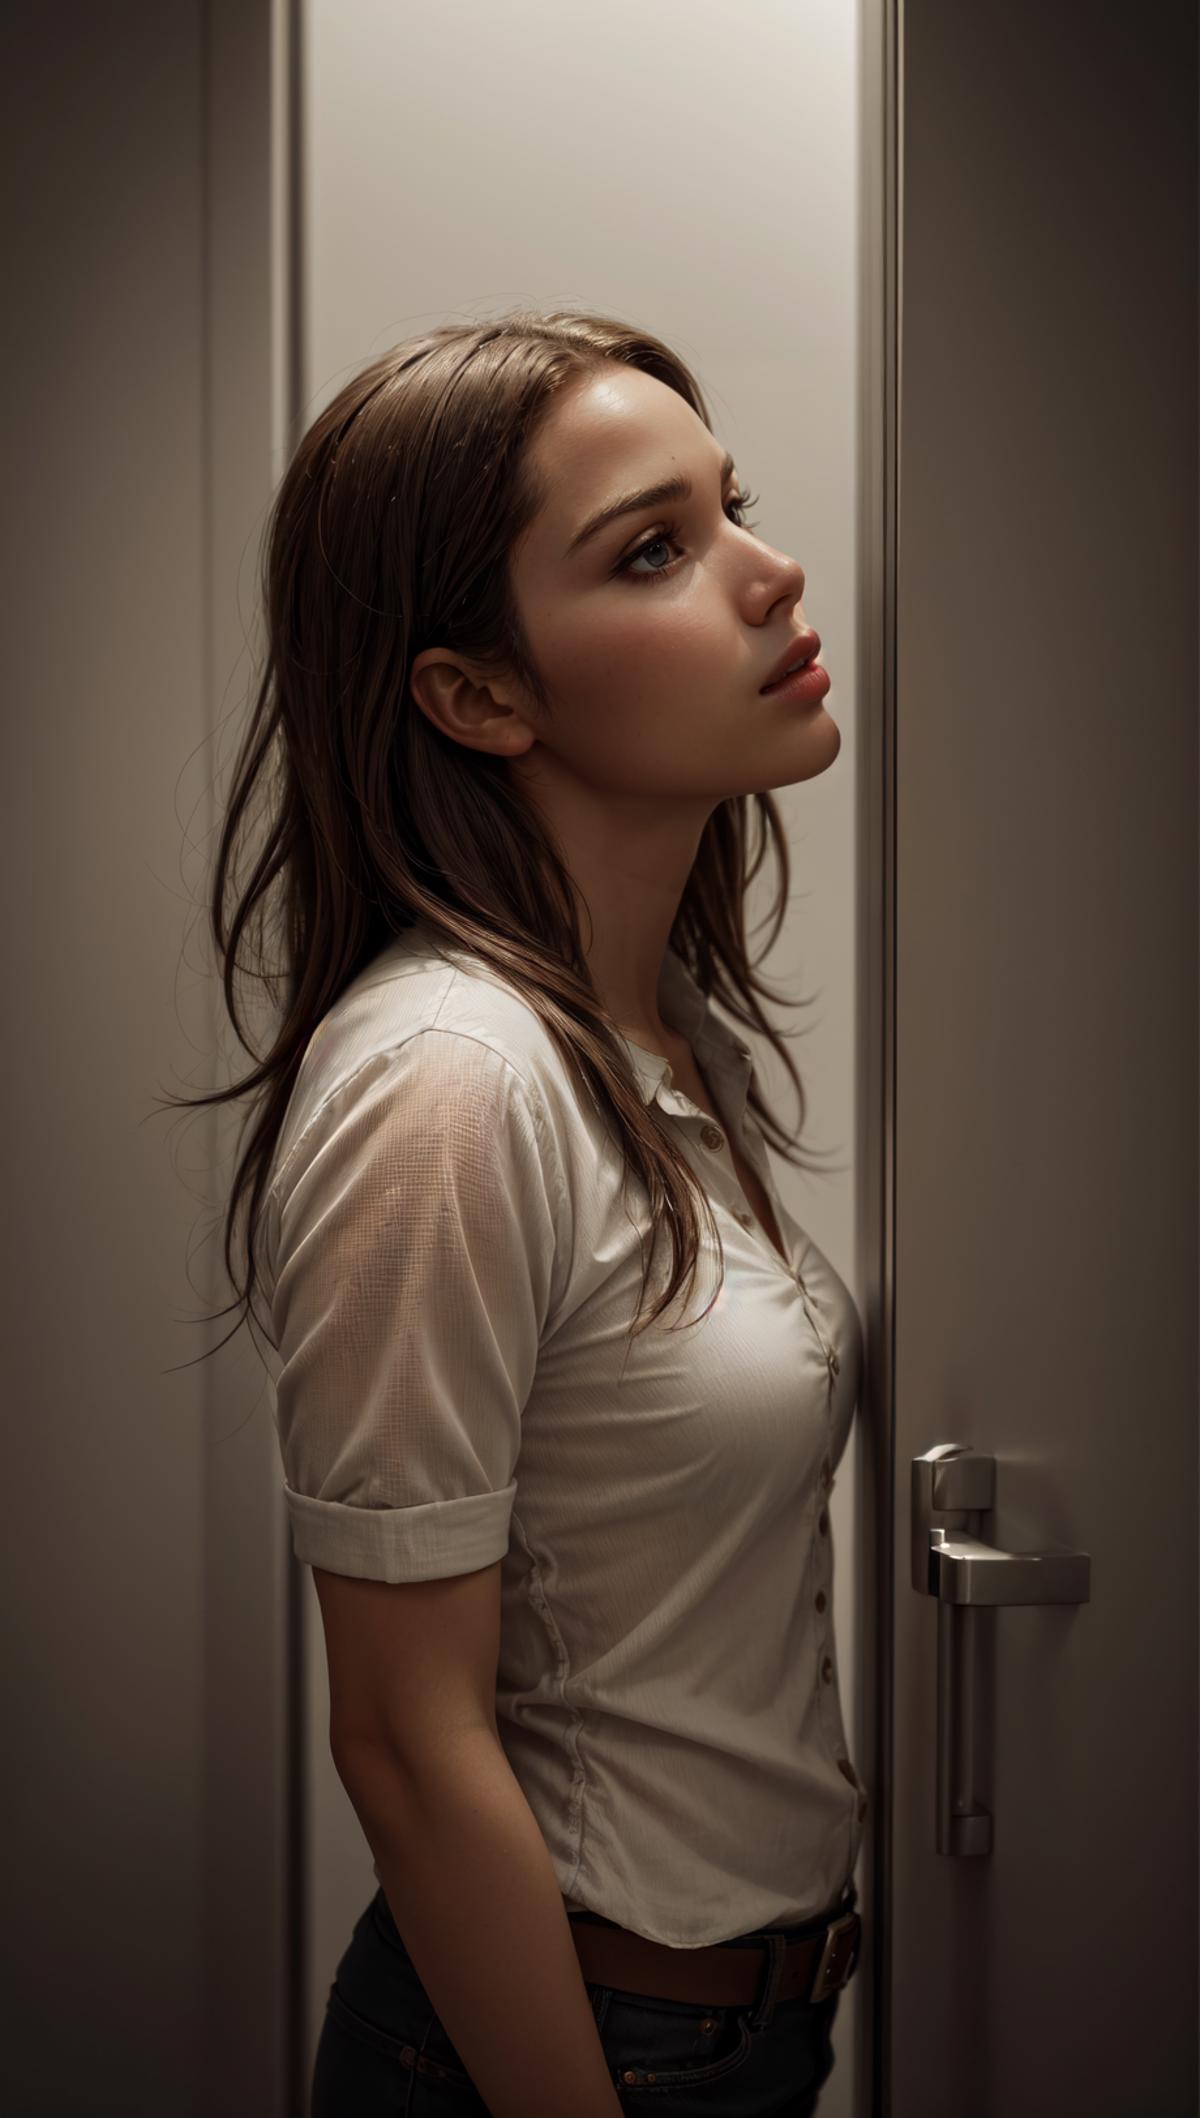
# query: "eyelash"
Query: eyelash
{"points": [[669, 534]]}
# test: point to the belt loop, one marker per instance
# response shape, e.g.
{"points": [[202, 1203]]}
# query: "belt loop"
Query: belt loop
{"points": [[764, 2008]]}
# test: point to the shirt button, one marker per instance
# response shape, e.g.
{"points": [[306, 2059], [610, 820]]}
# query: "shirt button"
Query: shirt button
{"points": [[834, 1362], [827, 1670], [745, 1220], [820, 1599], [823, 1522], [712, 1138], [847, 1770], [826, 1473], [862, 1807]]}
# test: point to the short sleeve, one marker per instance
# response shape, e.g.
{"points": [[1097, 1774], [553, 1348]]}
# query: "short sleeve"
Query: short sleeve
{"points": [[412, 1272]]}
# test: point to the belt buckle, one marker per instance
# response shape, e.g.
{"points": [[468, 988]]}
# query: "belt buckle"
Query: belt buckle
{"points": [[837, 1962]]}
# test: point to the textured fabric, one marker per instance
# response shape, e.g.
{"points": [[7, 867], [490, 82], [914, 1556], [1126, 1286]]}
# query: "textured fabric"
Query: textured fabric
{"points": [[452, 1273]]}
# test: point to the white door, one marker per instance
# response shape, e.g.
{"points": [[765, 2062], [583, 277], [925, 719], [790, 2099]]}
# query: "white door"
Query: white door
{"points": [[1032, 962]]}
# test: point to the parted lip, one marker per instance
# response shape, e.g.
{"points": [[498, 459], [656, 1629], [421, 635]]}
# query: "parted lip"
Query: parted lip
{"points": [[803, 647]]}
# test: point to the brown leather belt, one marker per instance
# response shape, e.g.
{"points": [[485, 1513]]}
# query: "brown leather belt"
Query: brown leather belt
{"points": [[814, 1965]]}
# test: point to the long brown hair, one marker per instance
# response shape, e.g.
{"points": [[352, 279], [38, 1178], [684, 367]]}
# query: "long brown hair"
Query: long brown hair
{"points": [[389, 533]]}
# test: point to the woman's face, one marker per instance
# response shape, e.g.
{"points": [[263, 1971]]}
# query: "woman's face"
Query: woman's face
{"points": [[654, 666]]}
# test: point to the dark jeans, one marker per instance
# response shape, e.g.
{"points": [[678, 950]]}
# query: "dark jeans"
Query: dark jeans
{"points": [[383, 2050]]}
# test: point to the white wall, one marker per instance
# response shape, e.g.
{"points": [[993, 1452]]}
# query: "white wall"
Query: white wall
{"points": [[695, 168]]}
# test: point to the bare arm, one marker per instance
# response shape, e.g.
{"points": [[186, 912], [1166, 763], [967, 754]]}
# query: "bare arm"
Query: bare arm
{"points": [[473, 1892], [464, 1866]]}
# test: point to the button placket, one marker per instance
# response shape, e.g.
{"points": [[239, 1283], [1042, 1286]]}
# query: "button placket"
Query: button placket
{"points": [[827, 1691], [829, 1714], [826, 1670], [825, 1667], [717, 1142], [714, 1139], [831, 1360], [747, 1220]]}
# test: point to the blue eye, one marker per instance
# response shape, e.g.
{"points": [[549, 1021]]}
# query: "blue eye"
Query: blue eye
{"points": [[669, 534]]}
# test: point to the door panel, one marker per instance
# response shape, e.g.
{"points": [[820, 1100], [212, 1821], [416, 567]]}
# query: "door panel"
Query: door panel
{"points": [[1042, 911]]}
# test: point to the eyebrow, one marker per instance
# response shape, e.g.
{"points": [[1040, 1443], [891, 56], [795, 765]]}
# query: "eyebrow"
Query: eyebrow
{"points": [[677, 488]]}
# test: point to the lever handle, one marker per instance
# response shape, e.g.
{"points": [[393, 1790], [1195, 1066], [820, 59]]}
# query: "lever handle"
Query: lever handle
{"points": [[952, 1563], [964, 1569]]}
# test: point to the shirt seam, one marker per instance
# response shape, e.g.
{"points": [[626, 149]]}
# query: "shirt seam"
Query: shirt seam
{"points": [[577, 1798], [426, 1029]]}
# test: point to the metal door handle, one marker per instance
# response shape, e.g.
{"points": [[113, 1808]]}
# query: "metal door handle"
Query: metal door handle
{"points": [[951, 1562]]}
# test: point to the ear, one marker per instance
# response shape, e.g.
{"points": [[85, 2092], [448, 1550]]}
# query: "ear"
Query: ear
{"points": [[480, 712]]}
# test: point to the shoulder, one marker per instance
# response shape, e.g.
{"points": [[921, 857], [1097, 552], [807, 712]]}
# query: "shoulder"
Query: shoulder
{"points": [[436, 1020]]}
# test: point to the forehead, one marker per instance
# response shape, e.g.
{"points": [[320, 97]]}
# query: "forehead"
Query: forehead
{"points": [[607, 434]]}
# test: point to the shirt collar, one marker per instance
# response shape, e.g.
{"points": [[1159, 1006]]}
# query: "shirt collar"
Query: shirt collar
{"points": [[725, 1060], [719, 1053]]}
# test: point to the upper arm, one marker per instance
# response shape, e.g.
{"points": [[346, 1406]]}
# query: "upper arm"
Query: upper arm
{"points": [[411, 1663], [414, 1263]]}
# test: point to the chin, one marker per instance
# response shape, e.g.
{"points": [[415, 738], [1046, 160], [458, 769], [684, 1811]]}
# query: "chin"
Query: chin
{"points": [[822, 731], [814, 752]]}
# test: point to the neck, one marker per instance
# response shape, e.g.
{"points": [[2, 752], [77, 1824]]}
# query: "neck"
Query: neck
{"points": [[628, 868]]}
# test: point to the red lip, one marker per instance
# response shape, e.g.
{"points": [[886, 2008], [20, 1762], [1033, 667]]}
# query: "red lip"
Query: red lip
{"points": [[807, 644], [804, 687]]}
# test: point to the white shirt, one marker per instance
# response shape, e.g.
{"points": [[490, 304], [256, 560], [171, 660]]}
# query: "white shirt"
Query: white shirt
{"points": [[452, 1276]]}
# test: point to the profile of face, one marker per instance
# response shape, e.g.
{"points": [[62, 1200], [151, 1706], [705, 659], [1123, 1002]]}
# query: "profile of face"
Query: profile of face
{"points": [[654, 634]]}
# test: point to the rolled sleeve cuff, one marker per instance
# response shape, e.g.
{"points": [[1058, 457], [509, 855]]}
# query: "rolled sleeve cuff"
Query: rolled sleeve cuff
{"points": [[425, 1543]]}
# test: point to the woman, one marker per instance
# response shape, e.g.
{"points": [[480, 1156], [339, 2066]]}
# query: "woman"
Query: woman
{"points": [[573, 1560]]}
